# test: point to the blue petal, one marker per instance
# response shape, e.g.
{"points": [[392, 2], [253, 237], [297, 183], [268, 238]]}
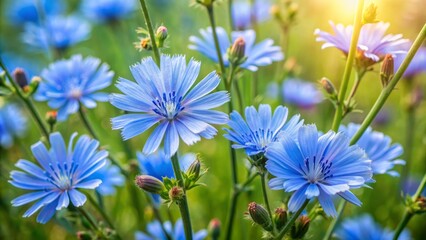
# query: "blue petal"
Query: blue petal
{"points": [[77, 198], [297, 199]]}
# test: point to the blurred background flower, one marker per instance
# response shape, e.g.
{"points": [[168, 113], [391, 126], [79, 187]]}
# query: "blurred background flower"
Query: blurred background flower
{"points": [[13, 123], [300, 93]]}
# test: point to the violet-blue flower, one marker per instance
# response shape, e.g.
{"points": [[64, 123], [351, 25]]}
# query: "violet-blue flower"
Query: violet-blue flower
{"points": [[243, 12], [154, 232], [67, 84], [365, 228], [379, 149], [301, 93], [58, 32], [165, 96], [317, 166], [261, 128], [111, 177], [12, 124], [260, 54], [26, 11], [416, 66], [61, 173], [108, 10], [372, 46]]}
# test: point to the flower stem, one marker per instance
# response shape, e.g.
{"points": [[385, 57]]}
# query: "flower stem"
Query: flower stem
{"points": [[408, 214], [183, 204], [358, 77], [150, 31], [409, 131], [86, 122], [89, 218], [265, 196], [157, 215], [348, 67], [291, 221], [333, 224], [231, 20], [216, 40], [27, 101]]}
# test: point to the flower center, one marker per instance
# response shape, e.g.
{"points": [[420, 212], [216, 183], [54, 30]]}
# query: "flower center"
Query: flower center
{"points": [[317, 170], [262, 138], [75, 93], [64, 182], [169, 106]]}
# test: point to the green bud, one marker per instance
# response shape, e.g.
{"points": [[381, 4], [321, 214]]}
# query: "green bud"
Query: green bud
{"points": [[161, 35], [194, 169], [370, 14], [260, 216], [387, 70], [33, 86], [214, 228], [149, 184], [300, 228], [328, 87], [280, 217], [176, 193], [236, 53], [51, 118], [205, 3]]}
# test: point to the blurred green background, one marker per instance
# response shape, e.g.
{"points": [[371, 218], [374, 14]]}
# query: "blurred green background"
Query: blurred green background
{"points": [[114, 45]]}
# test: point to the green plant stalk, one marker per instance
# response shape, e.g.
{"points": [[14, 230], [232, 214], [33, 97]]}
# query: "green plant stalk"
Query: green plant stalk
{"points": [[409, 131], [348, 67], [290, 222], [330, 230], [216, 40], [157, 215], [86, 122], [102, 212], [89, 218], [151, 32], [265, 197], [358, 77], [27, 101], [408, 214], [231, 20], [183, 203], [380, 102]]}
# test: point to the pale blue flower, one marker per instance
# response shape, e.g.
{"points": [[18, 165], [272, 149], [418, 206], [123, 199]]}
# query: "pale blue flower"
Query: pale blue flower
{"points": [[372, 46], [300, 93], [260, 54], [111, 177], [26, 11], [365, 228], [108, 10], [61, 173], [165, 96], [416, 66], [262, 128], [317, 166], [243, 12], [379, 149], [56, 32], [12, 124], [154, 232], [67, 84]]}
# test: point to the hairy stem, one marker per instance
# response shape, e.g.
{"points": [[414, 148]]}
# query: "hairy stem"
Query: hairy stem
{"points": [[150, 31]]}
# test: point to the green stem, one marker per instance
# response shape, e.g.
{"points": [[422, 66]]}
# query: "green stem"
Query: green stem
{"points": [[239, 96], [291, 221], [183, 204], [348, 67], [216, 39], [265, 196], [408, 214], [86, 122], [27, 101], [231, 20], [157, 215], [358, 77], [150, 31], [100, 210], [333, 224], [89, 218], [389, 88], [409, 131]]}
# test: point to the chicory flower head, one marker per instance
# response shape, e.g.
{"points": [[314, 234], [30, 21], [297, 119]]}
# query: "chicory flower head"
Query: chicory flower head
{"points": [[61, 173], [12, 124], [300, 93], [111, 177], [372, 46], [108, 10], [317, 166], [243, 13], [379, 149], [155, 232], [165, 96], [261, 128], [67, 84], [26, 11], [260, 54]]}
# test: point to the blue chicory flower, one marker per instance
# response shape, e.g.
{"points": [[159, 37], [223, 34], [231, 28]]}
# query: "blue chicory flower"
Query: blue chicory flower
{"points": [[67, 84], [379, 149], [261, 128], [260, 54], [416, 66], [243, 13], [300, 93], [58, 32], [108, 10], [372, 46], [365, 228], [26, 11], [12, 124], [315, 165], [63, 171], [164, 95], [111, 177], [177, 233]]}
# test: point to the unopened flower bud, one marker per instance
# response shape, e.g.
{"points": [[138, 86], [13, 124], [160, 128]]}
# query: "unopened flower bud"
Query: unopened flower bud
{"points": [[143, 44], [20, 77], [387, 70], [280, 217], [237, 51], [161, 33], [176, 193], [260, 216], [214, 228], [33, 86], [300, 228], [205, 3], [51, 117], [275, 11], [328, 86], [370, 14], [194, 169], [83, 235], [149, 184], [292, 10]]}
